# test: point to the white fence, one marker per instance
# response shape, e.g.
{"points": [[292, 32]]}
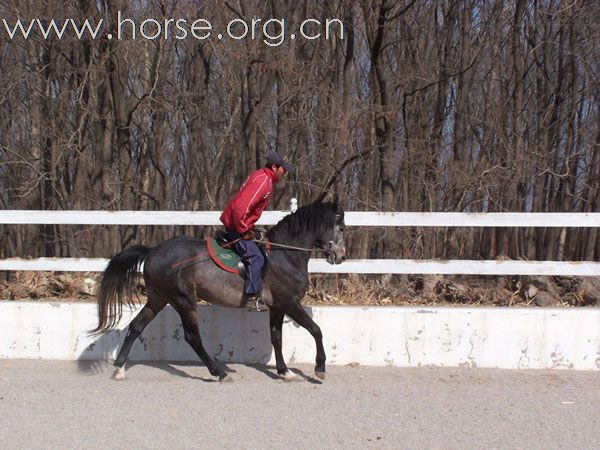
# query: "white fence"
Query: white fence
{"points": [[407, 337], [372, 266]]}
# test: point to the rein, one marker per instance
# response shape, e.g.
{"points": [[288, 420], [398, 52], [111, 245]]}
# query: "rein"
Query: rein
{"points": [[258, 241], [200, 255], [290, 247]]}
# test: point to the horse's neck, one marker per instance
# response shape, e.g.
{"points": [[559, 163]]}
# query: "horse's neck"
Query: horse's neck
{"points": [[304, 241]]}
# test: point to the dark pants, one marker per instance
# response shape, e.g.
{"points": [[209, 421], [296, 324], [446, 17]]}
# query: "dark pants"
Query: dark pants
{"points": [[253, 259]]}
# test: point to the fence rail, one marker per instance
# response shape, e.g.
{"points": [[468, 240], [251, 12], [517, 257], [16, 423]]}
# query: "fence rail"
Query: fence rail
{"points": [[373, 266], [352, 218], [364, 266]]}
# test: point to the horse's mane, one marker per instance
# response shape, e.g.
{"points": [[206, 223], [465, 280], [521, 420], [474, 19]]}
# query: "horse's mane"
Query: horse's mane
{"points": [[307, 218]]}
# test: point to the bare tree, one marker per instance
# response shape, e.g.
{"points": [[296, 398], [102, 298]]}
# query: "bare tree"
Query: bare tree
{"points": [[445, 105]]}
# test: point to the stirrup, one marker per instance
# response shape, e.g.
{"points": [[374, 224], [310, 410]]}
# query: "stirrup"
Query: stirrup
{"points": [[259, 303]]}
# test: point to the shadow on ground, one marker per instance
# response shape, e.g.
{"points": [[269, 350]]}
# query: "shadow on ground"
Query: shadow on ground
{"points": [[229, 336]]}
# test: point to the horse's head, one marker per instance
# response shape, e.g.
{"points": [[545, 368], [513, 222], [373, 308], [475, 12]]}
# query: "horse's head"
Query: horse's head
{"points": [[331, 239], [319, 224]]}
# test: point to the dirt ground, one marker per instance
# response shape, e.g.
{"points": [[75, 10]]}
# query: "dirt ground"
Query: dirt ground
{"points": [[381, 290]]}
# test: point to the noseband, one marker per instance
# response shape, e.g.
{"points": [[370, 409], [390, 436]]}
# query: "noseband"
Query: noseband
{"points": [[329, 252]]}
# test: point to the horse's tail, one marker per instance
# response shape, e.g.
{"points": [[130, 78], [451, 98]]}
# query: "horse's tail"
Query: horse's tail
{"points": [[117, 285]]}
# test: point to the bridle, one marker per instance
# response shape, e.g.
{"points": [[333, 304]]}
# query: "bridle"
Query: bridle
{"points": [[328, 249]]}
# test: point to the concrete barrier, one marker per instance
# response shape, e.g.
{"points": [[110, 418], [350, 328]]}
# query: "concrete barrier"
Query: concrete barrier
{"points": [[397, 336]]}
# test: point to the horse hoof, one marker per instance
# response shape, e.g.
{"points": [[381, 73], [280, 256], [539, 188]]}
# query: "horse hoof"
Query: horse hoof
{"points": [[320, 374], [119, 374], [289, 376], [225, 379]]}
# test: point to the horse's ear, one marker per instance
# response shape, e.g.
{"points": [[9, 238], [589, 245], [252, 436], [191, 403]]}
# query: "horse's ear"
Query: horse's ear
{"points": [[332, 197], [329, 197], [337, 204], [339, 209]]}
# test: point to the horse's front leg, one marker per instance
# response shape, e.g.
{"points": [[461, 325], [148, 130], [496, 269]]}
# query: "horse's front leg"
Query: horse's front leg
{"points": [[276, 324], [301, 317]]}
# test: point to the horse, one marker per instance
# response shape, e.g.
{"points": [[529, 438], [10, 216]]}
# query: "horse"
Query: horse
{"points": [[179, 272]]}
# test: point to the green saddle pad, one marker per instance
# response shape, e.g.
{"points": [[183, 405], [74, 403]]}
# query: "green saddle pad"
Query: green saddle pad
{"points": [[225, 258]]}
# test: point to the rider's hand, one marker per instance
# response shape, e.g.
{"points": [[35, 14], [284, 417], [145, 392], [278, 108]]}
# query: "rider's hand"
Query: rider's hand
{"points": [[248, 235], [259, 233]]}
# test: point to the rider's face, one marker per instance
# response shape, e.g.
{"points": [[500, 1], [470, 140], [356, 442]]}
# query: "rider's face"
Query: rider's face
{"points": [[280, 172]]}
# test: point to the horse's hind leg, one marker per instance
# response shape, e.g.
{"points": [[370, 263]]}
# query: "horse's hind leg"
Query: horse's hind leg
{"points": [[135, 328], [189, 319]]}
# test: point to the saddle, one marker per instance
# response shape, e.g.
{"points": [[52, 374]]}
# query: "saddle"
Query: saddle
{"points": [[224, 256]]}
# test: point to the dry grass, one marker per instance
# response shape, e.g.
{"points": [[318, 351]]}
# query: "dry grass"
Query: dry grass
{"points": [[353, 289]]}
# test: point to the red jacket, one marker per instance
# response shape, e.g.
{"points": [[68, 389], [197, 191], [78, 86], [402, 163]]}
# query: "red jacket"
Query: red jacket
{"points": [[245, 208]]}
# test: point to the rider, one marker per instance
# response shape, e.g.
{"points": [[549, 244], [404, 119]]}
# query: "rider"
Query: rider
{"points": [[242, 212]]}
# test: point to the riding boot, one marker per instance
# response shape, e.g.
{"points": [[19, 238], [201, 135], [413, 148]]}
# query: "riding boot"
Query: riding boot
{"points": [[255, 302]]}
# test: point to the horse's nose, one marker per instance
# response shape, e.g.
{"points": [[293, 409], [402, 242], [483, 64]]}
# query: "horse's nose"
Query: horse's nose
{"points": [[343, 258]]}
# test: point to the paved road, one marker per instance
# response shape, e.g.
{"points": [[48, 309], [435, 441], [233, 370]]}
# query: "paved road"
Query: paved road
{"points": [[56, 404]]}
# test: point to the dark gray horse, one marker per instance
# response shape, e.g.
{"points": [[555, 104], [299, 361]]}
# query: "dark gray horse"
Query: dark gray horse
{"points": [[179, 272]]}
